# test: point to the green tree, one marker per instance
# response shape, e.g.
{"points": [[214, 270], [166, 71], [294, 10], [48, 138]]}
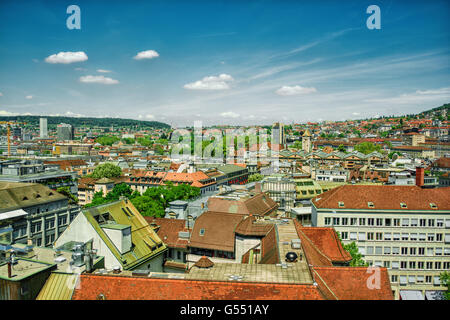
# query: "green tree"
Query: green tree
{"points": [[367, 147], [255, 177], [66, 191], [106, 170], [352, 248], [445, 281], [107, 140], [341, 148]]}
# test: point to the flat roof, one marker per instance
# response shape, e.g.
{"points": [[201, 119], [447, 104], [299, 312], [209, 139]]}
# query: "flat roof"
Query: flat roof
{"points": [[24, 268]]}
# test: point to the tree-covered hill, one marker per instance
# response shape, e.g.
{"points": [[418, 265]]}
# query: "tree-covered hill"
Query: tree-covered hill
{"points": [[87, 122]]}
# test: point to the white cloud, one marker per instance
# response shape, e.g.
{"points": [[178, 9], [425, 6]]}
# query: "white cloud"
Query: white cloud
{"points": [[149, 54], [76, 115], [150, 116], [98, 79], [295, 90], [356, 113], [230, 114], [67, 57], [103, 71], [6, 113], [220, 82], [28, 97]]}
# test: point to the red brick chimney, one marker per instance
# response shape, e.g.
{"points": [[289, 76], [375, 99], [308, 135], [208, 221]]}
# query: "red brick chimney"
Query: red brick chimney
{"points": [[420, 175]]}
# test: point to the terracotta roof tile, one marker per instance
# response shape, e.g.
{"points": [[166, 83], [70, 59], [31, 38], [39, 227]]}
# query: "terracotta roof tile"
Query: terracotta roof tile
{"points": [[384, 197], [133, 288]]}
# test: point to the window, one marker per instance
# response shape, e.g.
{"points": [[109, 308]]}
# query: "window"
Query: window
{"points": [[412, 279], [423, 222], [412, 264], [430, 252], [396, 222], [395, 264], [447, 238], [344, 235], [429, 265], [327, 221], [344, 221], [394, 278], [403, 265], [431, 222], [431, 237], [404, 250], [412, 251], [387, 250], [437, 265], [362, 250], [413, 236], [370, 204], [379, 236], [422, 237], [403, 280], [369, 235], [178, 255], [405, 222], [378, 250], [439, 223], [202, 232], [353, 221], [362, 221], [379, 222], [353, 236], [438, 251], [395, 250], [369, 250], [420, 265], [387, 236], [341, 204], [403, 205], [336, 221], [387, 222], [405, 236], [386, 264], [427, 279], [396, 236], [370, 221], [447, 251], [421, 251], [439, 237], [414, 222]]}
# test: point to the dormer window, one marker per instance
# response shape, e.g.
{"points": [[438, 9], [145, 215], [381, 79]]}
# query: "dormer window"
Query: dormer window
{"points": [[433, 206], [370, 205], [38, 196], [24, 198], [202, 232], [403, 205], [341, 204]]}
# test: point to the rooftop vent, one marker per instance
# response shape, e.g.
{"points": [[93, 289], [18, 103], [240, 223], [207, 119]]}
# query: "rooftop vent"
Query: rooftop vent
{"points": [[291, 257]]}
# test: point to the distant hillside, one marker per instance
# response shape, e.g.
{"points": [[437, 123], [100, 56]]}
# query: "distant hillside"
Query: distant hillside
{"points": [[88, 122], [437, 109]]}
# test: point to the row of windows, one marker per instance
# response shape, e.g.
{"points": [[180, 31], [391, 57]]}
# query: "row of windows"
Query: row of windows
{"points": [[386, 222], [413, 279], [396, 236], [408, 265], [412, 251]]}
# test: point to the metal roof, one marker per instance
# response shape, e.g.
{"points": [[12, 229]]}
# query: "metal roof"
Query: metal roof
{"points": [[59, 286]]}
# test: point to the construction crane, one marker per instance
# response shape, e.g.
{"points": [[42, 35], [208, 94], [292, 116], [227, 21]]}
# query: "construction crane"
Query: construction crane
{"points": [[8, 130]]}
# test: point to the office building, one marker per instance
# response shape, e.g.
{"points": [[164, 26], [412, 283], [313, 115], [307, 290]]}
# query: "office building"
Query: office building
{"points": [[65, 131], [43, 128]]}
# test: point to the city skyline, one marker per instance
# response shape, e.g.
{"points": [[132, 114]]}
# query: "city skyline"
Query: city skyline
{"points": [[235, 63]]}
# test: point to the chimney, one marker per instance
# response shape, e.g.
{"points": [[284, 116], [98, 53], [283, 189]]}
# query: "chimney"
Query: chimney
{"points": [[258, 187], [420, 175], [9, 270]]}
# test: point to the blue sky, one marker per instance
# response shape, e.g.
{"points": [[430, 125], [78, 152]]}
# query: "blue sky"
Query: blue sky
{"points": [[224, 62]]}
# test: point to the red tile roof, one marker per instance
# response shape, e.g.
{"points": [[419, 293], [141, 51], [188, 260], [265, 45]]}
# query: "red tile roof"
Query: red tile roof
{"points": [[259, 204], [326, 241], [384, 197], [133, 288], [168, 231], [353, 283]]}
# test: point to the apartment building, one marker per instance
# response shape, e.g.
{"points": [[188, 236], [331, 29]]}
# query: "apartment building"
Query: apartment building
{"points": [[34, 213], [403, 228]]}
